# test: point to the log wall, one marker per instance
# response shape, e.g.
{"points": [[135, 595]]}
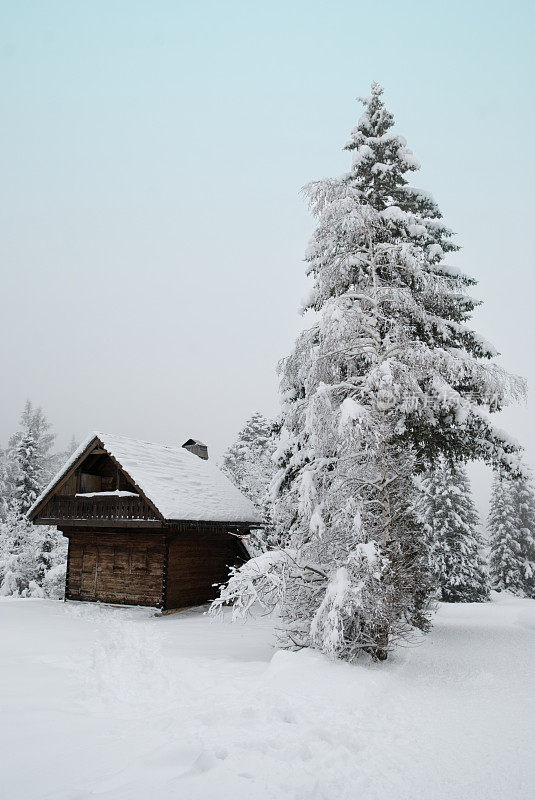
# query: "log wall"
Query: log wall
{"points": [[196, 561], [167, 569], [116, 567]]}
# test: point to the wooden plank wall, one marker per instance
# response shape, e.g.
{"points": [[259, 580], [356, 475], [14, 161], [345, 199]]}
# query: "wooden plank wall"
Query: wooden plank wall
{"points": [[71, 485], [196, 560], [101, 475], [116, 567]]}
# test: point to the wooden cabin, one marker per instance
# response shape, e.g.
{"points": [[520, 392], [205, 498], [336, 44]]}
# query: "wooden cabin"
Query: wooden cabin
{"points": [[147, 524]]}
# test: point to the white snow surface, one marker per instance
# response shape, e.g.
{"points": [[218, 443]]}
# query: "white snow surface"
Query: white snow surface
{"points": [[122, 705], [181, 485]]}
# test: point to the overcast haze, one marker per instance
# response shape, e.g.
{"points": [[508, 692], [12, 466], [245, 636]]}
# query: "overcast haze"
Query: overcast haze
{"points": [[152, 228]]}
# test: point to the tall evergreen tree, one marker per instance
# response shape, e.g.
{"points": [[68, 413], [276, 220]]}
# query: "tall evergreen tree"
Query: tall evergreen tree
{"points": [[456, 558], [511, 527], [387, 379]]}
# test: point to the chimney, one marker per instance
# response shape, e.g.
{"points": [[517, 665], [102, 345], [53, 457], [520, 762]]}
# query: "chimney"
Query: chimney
{"points": [[194, 446]]}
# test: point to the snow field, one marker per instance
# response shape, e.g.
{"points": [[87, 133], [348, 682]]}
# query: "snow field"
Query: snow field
{"points": [[116, 704]]}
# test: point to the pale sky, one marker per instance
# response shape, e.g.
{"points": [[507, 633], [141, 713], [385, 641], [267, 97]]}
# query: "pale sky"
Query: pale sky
{"points": [[152, 231]]}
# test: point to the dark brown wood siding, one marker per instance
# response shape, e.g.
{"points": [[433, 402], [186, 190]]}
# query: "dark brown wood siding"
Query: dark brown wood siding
{"points": [[197, 560], [71, 485], [116, 567]]}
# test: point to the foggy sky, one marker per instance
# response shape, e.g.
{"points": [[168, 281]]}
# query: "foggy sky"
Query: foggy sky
{"points": [[152, 231]]}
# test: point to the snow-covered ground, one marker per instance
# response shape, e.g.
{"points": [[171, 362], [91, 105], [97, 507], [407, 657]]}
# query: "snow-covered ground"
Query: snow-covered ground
{"points": [[116, 704]]}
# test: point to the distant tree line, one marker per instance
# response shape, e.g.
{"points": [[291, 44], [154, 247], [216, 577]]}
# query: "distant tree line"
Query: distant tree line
{"points": [[464, 563]]}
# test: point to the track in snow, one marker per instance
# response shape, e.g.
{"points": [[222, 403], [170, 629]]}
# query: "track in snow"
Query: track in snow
{"points": [[116, 704]]}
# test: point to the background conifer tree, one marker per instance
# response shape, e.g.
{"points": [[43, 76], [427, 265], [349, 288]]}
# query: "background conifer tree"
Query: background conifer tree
{"points": [[524, 501], [248, 462], [28, 553], [456, 547], [511, 527], [29, 450]]}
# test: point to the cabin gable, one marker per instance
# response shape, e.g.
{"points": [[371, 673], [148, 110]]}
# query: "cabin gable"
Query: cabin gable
{"points": [[96, 488]]}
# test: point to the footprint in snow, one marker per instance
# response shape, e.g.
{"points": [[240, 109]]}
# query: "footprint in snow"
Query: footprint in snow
{"points": [[205, 761]]}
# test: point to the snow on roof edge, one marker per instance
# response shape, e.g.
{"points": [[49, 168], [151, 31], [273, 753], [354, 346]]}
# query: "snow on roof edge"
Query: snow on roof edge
{"points": [[182, 486], [221, 500], [65, 468]]}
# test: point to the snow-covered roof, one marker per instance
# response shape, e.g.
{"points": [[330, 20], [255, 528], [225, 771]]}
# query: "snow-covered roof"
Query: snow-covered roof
{"points": [[181, 485]]}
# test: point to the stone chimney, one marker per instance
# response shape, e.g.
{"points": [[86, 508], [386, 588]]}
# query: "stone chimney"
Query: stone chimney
{"points": [[194, 446]]}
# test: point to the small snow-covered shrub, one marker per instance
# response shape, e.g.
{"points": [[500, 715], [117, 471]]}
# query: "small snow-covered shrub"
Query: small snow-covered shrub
{"points": [[10, 584], [54, 582], [33, 590]]}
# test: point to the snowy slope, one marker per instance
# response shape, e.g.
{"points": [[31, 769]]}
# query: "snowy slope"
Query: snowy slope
{"points": [[120, 705]]}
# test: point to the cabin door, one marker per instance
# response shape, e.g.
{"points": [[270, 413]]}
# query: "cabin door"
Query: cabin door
{"points": [[90, 571]]}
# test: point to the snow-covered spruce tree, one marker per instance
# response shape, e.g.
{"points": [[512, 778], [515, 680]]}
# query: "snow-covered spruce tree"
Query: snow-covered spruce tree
{"points": [[27, 554], [32, 559], [36, 465], [506, 558], [3, 484], [249, 465], [52, 545], [32, 446], [524, 499], [387, 379], [511, 526], [9, 475], [19, 548], [456, 559]]}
